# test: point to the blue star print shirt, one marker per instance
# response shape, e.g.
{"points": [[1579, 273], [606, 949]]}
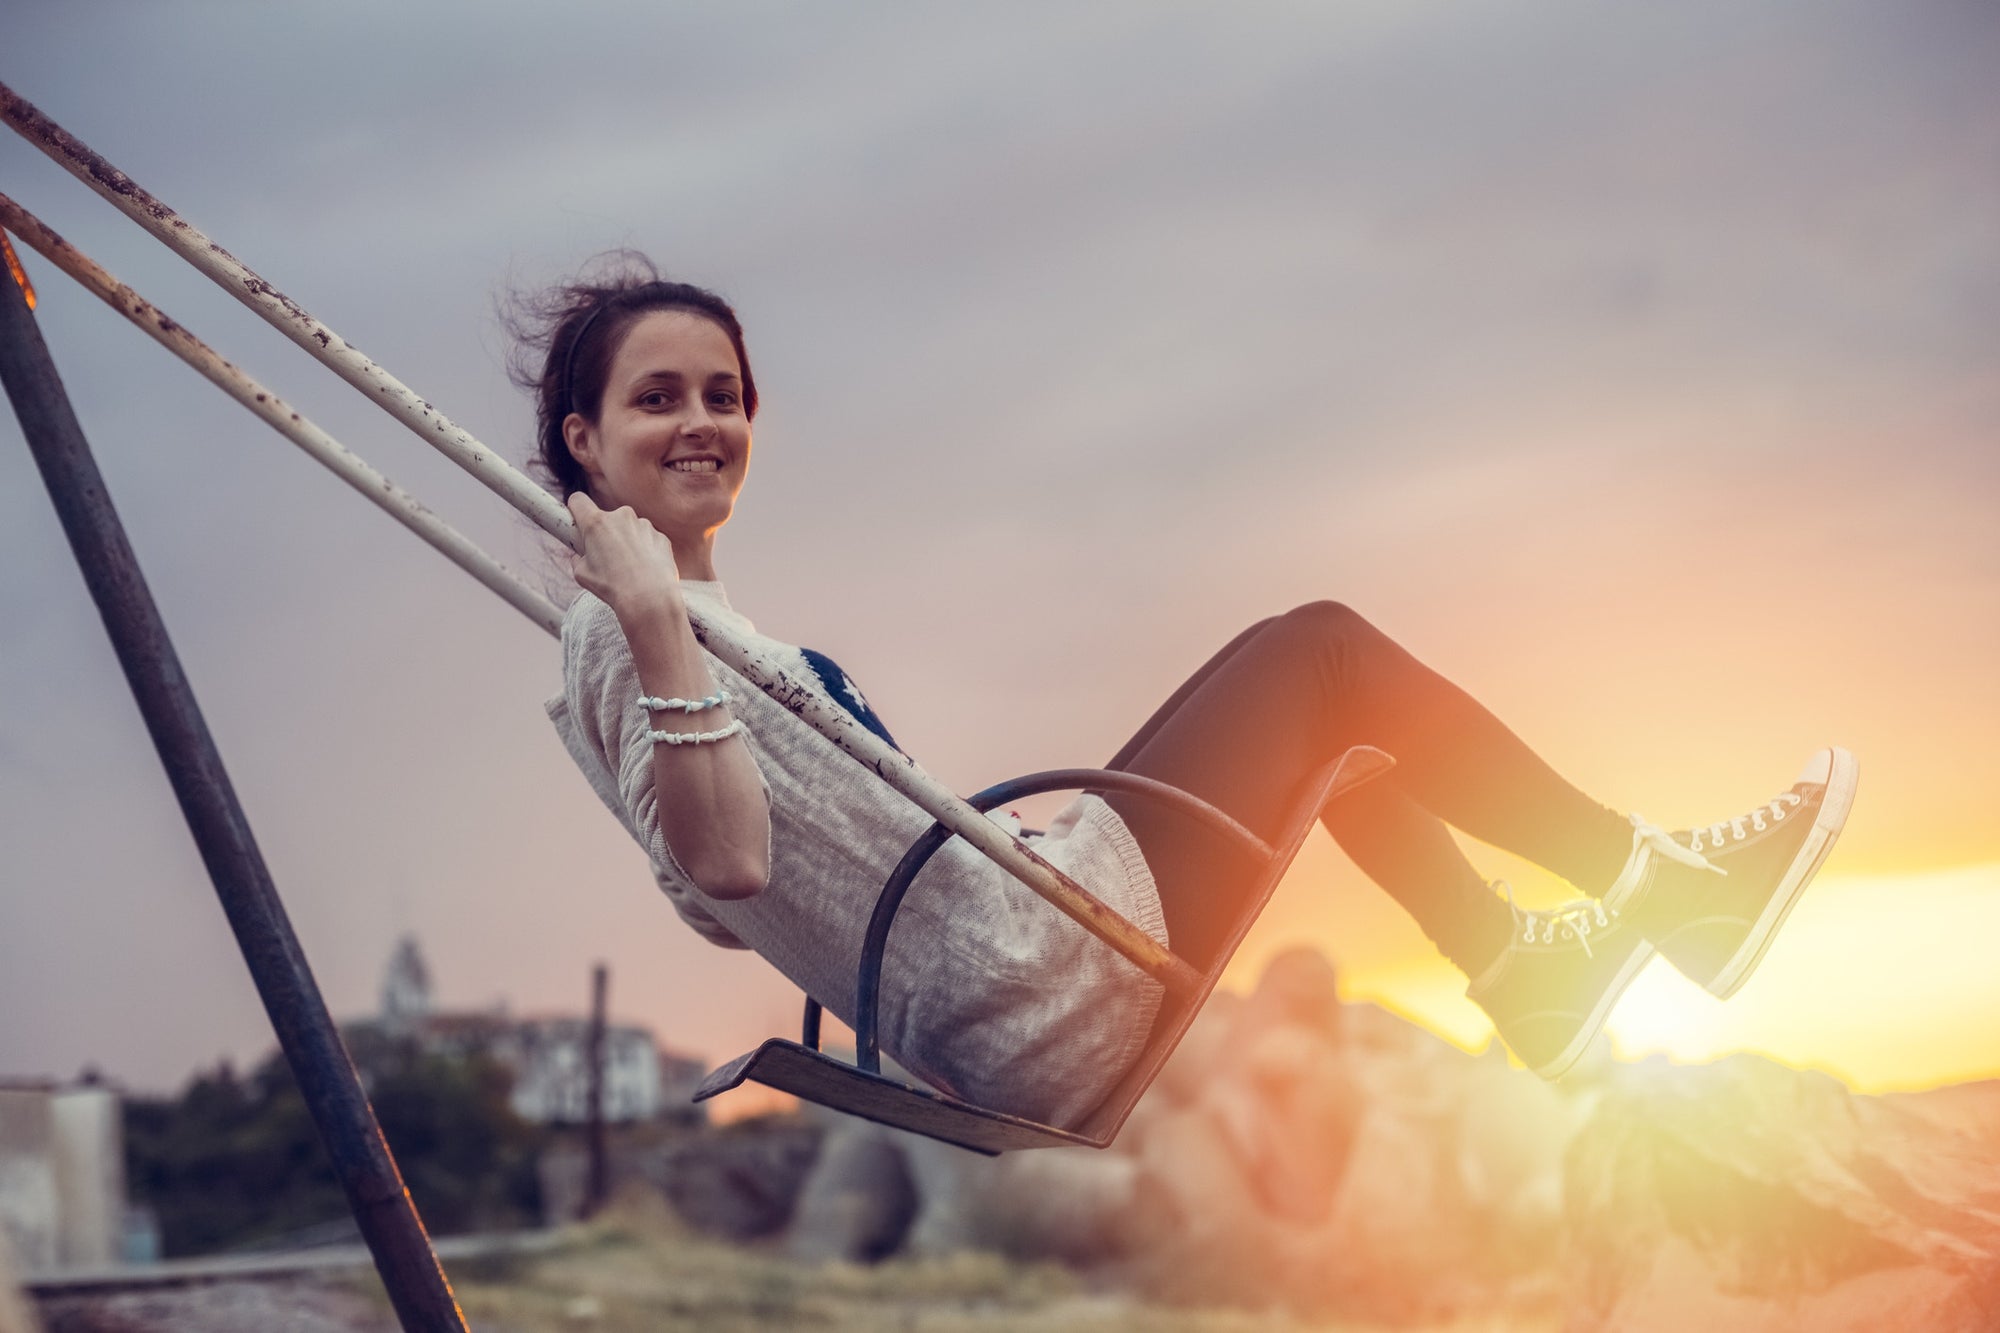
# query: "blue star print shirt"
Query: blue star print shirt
{"points": [[845, 692]]}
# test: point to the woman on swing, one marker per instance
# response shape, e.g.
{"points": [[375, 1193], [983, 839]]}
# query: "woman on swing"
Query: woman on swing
{"points": [[765, 836]]}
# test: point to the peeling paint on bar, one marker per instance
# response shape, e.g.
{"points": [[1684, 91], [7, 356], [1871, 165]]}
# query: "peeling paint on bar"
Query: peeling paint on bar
{"points": [[349, 467], [283, 313]]}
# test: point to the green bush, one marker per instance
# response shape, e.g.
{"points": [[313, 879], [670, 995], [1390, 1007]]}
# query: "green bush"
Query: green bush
{"points": [[234, 1162]]}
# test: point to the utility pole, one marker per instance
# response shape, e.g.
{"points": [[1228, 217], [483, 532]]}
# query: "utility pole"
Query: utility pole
{"points": [[599, 1187]]}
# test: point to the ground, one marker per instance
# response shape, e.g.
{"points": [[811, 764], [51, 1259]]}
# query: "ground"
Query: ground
{"points": [[637, 1271]]}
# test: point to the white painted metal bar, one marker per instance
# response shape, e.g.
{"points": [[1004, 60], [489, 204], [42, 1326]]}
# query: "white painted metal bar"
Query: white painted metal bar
{"points": [[398, 503], [234, 277], [396, 398]]}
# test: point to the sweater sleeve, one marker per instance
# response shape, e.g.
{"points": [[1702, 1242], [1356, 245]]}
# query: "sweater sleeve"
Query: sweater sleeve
{"points": [[601, 688]]}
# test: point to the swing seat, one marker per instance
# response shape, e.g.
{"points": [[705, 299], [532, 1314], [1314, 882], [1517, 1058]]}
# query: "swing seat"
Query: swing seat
{"points": [[861, 1089]]}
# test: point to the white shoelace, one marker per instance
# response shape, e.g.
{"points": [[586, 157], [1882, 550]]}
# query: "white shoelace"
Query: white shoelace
{"points": [[1662, 843], [1775, 808], [1577, 920]]}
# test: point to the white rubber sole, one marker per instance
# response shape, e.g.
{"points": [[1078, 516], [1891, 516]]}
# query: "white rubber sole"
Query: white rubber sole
{"points": [[1842, 777], [1594, 1024]]}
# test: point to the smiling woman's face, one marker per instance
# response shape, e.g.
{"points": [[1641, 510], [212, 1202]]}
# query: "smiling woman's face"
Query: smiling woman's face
{"points": [[671, 437]]}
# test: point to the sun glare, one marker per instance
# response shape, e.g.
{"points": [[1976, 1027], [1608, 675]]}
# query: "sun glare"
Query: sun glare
{"points": [[1431, 994], [1884, 980]]}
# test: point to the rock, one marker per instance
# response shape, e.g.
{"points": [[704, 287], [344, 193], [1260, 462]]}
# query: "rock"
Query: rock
{"points": [[1453, 1198], [1287, 1107], [1748, 1191], [738, 1181], [1679, 1291], [1326, 1157], [1270, 1076], [1190, 1069], [1300, 1152], [1970, 1109], [1514, 1130], [1243, 1159], [1209, 1240], [1298, 989], [1399, 1241], [858, 1200], [1076, 1205]]}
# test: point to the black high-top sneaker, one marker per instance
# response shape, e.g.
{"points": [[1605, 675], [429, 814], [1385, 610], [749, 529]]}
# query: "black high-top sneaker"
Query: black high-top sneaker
{"points": [[1712, 898], [1553, 986]]}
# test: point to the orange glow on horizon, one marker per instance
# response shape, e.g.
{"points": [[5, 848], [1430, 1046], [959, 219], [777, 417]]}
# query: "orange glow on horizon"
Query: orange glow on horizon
{"points": [[1885, 981], [749, 1101]]}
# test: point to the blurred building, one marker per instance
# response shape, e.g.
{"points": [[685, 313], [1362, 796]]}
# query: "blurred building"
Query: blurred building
{"points": [[548, 1056], [62, 1174]]}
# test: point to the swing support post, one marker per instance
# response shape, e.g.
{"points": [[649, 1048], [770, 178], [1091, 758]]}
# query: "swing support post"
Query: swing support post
{"points": [[416, 1283]]}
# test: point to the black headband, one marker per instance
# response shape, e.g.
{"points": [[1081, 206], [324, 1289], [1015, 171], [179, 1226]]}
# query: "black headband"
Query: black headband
{"points": [[569, 359]]}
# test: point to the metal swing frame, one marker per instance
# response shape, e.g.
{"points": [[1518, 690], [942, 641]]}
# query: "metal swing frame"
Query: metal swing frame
{"points": [[418, 1289]]}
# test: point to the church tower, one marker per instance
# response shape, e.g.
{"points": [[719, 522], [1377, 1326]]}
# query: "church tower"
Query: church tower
{"points": [[406, 990]]}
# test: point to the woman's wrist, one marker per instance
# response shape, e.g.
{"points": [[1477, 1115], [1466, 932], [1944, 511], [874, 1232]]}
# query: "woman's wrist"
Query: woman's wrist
{"points": [[644, 612]]}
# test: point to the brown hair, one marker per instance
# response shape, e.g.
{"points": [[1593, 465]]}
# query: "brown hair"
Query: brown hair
{"points": [[566, 337]]}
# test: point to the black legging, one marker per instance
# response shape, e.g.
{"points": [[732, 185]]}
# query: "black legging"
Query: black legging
{"points": [[1292, 692]]}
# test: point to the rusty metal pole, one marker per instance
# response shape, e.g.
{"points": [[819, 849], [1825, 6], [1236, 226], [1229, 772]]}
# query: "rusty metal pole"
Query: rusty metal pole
{"points": [[599, 1187], [361, 1159]]}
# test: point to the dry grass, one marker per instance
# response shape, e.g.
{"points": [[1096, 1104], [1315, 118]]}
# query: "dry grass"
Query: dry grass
{"points": [[638, 1270]]}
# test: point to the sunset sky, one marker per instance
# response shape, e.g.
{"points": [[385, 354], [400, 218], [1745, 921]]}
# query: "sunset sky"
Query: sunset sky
{"points": [[1634, 365]]}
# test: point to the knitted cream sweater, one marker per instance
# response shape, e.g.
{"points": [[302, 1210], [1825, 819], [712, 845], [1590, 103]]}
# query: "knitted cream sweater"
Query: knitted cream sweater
{"points": [[988, 992]]}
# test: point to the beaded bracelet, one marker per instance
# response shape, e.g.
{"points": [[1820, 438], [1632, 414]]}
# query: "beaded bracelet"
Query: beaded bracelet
{"points": [[653, 703], [695, 737]]}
